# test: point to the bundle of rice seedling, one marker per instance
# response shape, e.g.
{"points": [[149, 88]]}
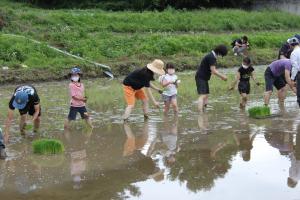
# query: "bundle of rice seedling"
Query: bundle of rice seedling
{"points": [[47, 146], [259, 111]]}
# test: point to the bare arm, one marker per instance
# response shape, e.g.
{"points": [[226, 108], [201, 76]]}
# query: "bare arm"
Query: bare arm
{"points": [[36, 112], [217, 73], [237, 78], [289, 81], [9, 118], [78, 98], [253, 76], [148, 90]]}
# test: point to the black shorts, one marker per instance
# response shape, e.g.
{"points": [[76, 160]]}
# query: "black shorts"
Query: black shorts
{"points": [[29, 110], [74, 110], [244, 87], [270, 80], [202, 86]]}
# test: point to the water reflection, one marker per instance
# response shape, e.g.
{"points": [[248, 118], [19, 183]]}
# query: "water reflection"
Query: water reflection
{"points": [[209, 154], [294, 170], [244, 137]]}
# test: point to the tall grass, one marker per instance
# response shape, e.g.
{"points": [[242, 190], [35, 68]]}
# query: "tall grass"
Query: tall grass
{"points": [[110, 48], [123, 39], [94, 20]]}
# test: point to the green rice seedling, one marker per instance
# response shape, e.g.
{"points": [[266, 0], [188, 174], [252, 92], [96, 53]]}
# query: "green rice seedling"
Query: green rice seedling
{"points": [[47, 146], [259, 111]]}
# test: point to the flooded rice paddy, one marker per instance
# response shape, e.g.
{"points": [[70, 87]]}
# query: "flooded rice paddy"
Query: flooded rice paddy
{"points": [[221, 154]]}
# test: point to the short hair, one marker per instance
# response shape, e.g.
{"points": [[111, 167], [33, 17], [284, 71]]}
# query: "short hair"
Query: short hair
{"points": [[245, 38], [247, 61], [170, 66], [221, 50]]}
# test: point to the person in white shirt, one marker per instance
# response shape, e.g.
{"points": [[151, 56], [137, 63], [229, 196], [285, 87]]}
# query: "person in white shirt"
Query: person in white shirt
{"points": [[295, 60], [170, 83]]}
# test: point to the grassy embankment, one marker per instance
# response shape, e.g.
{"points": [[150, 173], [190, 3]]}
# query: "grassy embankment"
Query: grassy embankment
{"points": [[125, 40]]}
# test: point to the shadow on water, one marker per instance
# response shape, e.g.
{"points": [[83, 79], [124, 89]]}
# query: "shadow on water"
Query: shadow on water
{"points": [[219, 154]]}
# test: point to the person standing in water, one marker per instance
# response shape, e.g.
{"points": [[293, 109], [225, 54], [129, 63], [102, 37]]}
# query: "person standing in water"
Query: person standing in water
{"points": [[134, 83], [295, 60], [205, 69], [78, 99], [27, 101], [278, 74], [170, 83], [245, 72]]}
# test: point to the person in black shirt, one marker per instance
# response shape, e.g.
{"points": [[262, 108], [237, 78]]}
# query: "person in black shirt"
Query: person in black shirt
{"points": [[27, 101], [243, 77], [134, 83], [205, 69], [240, 46]]}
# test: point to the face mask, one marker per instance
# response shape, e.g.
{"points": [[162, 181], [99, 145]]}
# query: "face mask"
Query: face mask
{"points": [[171, 71], [75, 78], [245, 66]]}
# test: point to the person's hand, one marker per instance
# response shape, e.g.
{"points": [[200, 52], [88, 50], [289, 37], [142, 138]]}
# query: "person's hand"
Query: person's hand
{"points": [[293, 83], [84, 99], [294, 89], [224, 78], [156, 104]]}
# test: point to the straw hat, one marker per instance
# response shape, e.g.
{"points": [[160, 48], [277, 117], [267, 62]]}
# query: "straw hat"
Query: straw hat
{"points": [[157, 66]]}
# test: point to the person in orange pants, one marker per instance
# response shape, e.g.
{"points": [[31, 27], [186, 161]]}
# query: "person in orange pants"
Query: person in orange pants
{"points": [[134, 83]]}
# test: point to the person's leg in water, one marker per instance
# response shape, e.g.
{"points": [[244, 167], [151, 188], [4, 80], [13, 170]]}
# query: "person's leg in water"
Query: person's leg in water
{"points": [[202, 101], [71, 116], [22, 124], [129, 95], [140, 95], [167, 104], [2, 146], [281, 95], [205, 101], [244, 99], [88, 120], [267, 97], [174, 105]]}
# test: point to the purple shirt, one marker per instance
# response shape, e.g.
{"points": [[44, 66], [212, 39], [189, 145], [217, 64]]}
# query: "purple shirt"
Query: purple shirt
{"points": [[279, 66]]}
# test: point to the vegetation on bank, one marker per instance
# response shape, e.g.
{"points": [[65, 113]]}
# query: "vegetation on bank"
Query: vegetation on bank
{"points": [[128, 39]]}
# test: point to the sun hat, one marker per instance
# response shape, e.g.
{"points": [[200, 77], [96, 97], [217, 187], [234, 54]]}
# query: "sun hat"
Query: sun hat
{"points": [[21, 99], [293, 41], [157, 66]]}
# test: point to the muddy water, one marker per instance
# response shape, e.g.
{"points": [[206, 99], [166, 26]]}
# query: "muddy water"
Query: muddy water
{"points": [[221, 154]]}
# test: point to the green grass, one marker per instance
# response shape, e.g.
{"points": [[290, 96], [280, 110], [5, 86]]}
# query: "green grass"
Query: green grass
{"points": [[47, 146], [126, 39], [259, 111]]}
